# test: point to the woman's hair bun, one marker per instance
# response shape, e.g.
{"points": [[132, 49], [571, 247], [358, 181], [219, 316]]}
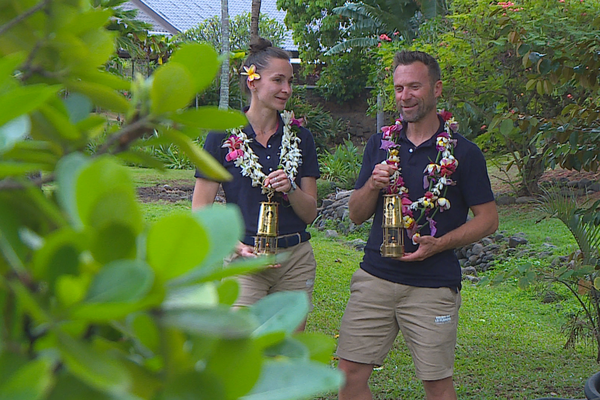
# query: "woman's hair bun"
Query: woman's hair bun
{"points": [[259, 44]]}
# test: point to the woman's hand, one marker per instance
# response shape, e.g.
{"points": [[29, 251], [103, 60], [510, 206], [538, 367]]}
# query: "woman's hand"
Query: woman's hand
{"points": [[279, 181]]}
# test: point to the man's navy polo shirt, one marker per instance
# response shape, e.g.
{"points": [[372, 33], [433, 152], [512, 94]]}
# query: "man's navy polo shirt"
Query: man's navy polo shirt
{"points": [[240, 190], [472, 188]]}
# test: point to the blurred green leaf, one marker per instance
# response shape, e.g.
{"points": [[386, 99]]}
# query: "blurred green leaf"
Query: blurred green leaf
{"points": [[320, 347], [282, 311], [100, 95], [24, 99], [202, 62], [70, 388], [30, 382], [175, 245], [294, 379], [228, 290], [290, 348], [194, 386], [79, 107], [105, 193], [58, 256], [11, 168], [190, 297], [60, 122], [202, 159], [248, 361], [121, 281], [8, 65], [172, 88], [96, 368], [220, 321], [211, 118], [14, 131], [145, 330], [67, 172], [113, 241]]}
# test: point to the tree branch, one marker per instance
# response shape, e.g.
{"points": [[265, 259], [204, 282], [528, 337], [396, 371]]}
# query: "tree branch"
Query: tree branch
{"points": [[22, 17]]}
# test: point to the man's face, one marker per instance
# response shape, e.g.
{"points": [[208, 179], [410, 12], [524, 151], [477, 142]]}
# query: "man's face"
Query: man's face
{"points": [[416, 95]]}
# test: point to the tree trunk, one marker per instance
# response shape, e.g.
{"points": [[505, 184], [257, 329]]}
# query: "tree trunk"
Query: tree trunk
{"points": [[254, 19], [224, 94]]}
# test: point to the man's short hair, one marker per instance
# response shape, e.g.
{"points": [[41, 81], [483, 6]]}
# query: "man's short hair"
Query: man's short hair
{"points": [[406, 57]]}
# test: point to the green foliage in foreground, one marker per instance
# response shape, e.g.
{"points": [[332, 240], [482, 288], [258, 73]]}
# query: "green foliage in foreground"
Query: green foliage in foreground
{"points": [[95, 302]]}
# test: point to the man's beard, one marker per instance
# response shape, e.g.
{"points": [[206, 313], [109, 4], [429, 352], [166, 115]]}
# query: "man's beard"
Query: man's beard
{"points": [[423, 109]]}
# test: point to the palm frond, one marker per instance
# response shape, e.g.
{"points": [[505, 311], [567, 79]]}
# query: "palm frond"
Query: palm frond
{"points": [[585, 232], [351, 43]]}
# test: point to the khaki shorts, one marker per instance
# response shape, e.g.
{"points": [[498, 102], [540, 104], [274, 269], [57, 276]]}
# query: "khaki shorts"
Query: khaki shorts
{"points": [[378, 309], [297, 272]]}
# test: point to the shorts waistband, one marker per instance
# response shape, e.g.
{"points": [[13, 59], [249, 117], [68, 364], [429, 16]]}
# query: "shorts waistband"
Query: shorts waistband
{"points": [[283, 241]]}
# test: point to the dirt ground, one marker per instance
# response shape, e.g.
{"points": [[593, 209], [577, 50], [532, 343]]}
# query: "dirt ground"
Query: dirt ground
{"points": [[181, 190]]}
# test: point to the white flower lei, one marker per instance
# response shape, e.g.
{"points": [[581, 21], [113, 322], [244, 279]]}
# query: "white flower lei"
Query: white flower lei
{"points": [[290, 157]]}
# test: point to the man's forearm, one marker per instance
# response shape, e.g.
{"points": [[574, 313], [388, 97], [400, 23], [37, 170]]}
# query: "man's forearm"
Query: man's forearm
{"points": [[363, 202]]}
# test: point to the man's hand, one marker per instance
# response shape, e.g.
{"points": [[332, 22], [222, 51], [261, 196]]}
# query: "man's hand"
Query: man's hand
{"points": [[243, 250], [380, 177], [428, 246]]}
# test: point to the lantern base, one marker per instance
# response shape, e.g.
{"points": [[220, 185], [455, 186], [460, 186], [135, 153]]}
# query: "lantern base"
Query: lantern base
{"points": [[265, 245], [391, 251]]}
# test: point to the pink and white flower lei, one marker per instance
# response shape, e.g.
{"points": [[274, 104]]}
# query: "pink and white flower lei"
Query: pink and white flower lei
{"points": [[290, 155], [436, 177]]}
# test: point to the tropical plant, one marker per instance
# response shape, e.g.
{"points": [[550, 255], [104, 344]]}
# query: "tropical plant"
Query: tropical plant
{"points": [[579, 274], [373, 21], [342, 166], [488, 80], [96, 303], [255, 20], [210, 31]]}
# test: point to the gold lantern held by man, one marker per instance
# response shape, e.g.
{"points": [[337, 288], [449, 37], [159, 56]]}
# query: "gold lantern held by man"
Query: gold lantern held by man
{"points": [[265, 242], [393, 228]]}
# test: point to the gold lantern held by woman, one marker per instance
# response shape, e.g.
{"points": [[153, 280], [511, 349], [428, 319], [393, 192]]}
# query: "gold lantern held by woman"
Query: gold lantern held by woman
{"points": [[265, 242], [393, 229]]}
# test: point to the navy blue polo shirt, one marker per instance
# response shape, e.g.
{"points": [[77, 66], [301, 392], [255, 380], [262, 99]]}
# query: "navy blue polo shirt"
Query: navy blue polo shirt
{"points": [[240, 191], [472, 188]]}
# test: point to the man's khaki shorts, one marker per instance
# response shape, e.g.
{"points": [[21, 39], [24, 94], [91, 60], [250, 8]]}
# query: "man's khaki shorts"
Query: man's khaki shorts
{"points": [[297, 272], [378, 309]]}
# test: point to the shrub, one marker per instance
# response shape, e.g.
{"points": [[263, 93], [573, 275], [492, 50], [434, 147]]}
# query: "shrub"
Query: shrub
{"points": [[342, 166]]}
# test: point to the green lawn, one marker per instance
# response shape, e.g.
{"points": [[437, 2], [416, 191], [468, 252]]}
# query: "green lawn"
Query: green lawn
{"points": [[510, 344]]}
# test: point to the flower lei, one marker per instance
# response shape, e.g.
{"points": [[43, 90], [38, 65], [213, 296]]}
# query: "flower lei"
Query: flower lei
{"points": [[436, 176], [241, 153]]}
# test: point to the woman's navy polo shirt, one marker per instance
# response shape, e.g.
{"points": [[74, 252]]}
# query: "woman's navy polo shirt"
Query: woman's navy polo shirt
{"points": [[472, 188], [240, 191]]}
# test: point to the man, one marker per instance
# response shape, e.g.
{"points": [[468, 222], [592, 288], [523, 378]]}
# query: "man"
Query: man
{"points": [[418, 293]]}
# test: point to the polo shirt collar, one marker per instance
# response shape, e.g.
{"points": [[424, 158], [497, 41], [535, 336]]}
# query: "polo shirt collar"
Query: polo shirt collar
{"points": [[249, 131], [429, 142]]}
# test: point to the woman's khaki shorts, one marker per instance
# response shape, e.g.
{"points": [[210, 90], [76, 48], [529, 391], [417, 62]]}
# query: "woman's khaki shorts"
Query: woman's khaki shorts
{"points": [[378, 309], [297, 272]]}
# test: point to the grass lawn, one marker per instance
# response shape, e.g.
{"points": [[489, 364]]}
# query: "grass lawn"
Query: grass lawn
{"points": [[510, 344]]}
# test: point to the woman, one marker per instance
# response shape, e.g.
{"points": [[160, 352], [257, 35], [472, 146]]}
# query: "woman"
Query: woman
{"points": [[271, 156]]}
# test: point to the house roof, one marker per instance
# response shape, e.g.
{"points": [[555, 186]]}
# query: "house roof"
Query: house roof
{"points": [[172, 16]]}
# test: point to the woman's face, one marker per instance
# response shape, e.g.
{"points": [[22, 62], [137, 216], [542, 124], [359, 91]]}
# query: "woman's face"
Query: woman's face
{"points": [[274, 87]]}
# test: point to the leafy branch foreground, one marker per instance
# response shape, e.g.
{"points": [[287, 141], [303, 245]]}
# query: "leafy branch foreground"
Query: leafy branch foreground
{"points": [[95, 301]]}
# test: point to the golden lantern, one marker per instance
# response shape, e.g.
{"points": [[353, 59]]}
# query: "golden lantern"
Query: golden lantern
{"points": [[393, 228], [265, 241]]}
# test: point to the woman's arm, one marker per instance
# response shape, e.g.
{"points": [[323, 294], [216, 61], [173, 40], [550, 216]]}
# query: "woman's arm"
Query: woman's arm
{"points": [[205, 192]]}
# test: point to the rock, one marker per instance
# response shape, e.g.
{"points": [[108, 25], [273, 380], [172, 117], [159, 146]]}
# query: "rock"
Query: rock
{"points": [[477, 248], [511, 251], [595, 187], [342, 194], [515, 241], [526, 200], [330, 233], [472, 279], [469, 271], [504, 200], [342, 212], [486, 241], [358, 244], [549, 246], [326, 203], [473, 259], [584, 183]]}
